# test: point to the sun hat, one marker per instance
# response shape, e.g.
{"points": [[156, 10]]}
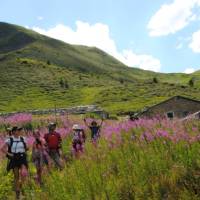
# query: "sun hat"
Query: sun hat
{"points": [[76, 127]]}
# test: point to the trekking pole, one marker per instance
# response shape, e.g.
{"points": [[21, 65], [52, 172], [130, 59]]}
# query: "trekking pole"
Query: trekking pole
{"points": [[55, 111]]}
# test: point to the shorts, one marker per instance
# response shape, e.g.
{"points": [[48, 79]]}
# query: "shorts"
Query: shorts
{"points": [[17, 161]]}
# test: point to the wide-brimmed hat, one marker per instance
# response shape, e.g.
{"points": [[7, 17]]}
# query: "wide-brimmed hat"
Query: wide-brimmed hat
{"points": [[9, 129]]}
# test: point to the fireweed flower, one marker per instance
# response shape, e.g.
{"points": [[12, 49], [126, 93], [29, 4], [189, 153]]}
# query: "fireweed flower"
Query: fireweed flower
{"points": [[148, 137]]}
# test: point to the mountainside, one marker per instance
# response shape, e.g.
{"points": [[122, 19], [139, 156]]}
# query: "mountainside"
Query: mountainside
{"points": [[41, 72]]}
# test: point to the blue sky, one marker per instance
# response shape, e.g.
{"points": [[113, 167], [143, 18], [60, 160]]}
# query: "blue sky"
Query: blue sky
{"points": [[161, 36]]}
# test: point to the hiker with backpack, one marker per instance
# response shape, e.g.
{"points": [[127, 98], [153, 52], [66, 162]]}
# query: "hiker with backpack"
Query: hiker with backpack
{"points": [[39, 155], [95, 129], [15, 148], [54, 143], [78, 140]]}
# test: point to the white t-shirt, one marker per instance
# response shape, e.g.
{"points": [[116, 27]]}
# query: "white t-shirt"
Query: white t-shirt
{"points": [[17, 145]]}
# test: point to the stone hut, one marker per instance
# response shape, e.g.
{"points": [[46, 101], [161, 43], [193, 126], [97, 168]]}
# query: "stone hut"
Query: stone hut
{"points": [[175, 107]]}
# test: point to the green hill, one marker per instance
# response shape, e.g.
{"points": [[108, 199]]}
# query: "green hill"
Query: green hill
{"points": [[40, 72]]}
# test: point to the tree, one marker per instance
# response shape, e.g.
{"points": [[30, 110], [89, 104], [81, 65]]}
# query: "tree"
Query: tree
{"points": [[155, 80], [121, 81], [66, 85], [61, 82], [48, 62], [191, 82]]}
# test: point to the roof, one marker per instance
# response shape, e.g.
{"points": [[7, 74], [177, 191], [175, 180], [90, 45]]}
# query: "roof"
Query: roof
{"points": [[192, 116], [178, 97]]}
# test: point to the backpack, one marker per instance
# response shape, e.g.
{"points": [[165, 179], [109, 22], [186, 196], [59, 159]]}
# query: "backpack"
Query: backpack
{"points": [[76, 137], [11, 143], [53, 141], [38, 141]]}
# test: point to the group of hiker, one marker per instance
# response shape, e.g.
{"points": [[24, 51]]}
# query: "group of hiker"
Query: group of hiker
{"points": [[46, 150]]}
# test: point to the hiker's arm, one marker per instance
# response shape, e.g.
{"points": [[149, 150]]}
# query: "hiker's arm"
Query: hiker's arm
{"points": [[4, 150], [101, 123], [86, 122], [59, 141], [84, 135], [45, 140], [25, 141], [33, 150]]}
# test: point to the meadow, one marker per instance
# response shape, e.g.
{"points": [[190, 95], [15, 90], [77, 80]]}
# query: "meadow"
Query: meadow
{"points": [[38, 72], [144, 159]]}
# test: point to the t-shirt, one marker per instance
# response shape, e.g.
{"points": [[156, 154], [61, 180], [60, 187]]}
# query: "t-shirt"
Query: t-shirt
{"points": [[94, 131], [53, 140], [17, 145]]}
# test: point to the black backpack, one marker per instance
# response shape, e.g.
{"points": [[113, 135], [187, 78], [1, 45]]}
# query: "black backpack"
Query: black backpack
{"points": [[11, 143]]}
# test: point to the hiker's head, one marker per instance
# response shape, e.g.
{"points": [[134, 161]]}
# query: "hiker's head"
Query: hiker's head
{"points": [[36, 134], [16, 131], [76, 127], [52, 127], [93, 123], [19, 131]]}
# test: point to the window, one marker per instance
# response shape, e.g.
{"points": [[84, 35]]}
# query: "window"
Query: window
{"points": [[170, 115]]}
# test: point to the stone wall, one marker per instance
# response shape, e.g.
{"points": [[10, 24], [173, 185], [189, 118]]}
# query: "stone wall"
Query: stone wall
{"points": [[72, 110]]}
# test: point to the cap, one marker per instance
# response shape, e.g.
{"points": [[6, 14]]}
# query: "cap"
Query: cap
{"points": [[51, 124], [76, 127]]}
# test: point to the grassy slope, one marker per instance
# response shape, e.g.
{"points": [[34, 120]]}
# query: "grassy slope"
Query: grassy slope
{"points": [[32, 66]]}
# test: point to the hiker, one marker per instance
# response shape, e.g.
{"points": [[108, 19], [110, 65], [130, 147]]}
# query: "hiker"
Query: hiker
{"points": [[53, 142], [15, 148], [39, 155], [95, 129], [78, 140]]}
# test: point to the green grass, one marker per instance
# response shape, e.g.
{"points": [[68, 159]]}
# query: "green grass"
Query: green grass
{"points": [[31, 72]]}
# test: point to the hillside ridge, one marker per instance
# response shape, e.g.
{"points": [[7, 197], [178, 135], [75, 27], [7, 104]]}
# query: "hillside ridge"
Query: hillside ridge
{"points": [[40, 72]]}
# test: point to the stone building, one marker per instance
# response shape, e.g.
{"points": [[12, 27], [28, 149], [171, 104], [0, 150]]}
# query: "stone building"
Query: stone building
{"points": [[175, 107]]}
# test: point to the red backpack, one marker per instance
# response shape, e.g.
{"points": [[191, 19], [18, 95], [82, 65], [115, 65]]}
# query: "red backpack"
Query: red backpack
{"points": [[53, 140]]}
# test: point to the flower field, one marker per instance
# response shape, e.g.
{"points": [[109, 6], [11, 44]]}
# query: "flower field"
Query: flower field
{"points": [[144, 159]]}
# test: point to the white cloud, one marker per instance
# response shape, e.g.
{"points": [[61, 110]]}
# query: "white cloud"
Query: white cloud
{"points": [[98, 35], [189, 70], [146, 62], [172, 17], [195, 43], [40, 18]]}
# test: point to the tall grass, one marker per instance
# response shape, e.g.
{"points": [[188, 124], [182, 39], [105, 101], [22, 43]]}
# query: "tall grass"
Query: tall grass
{"points": [[148, 159]]}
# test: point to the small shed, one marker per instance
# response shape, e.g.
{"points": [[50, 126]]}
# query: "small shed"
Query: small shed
{"points": [[175, 107]]}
